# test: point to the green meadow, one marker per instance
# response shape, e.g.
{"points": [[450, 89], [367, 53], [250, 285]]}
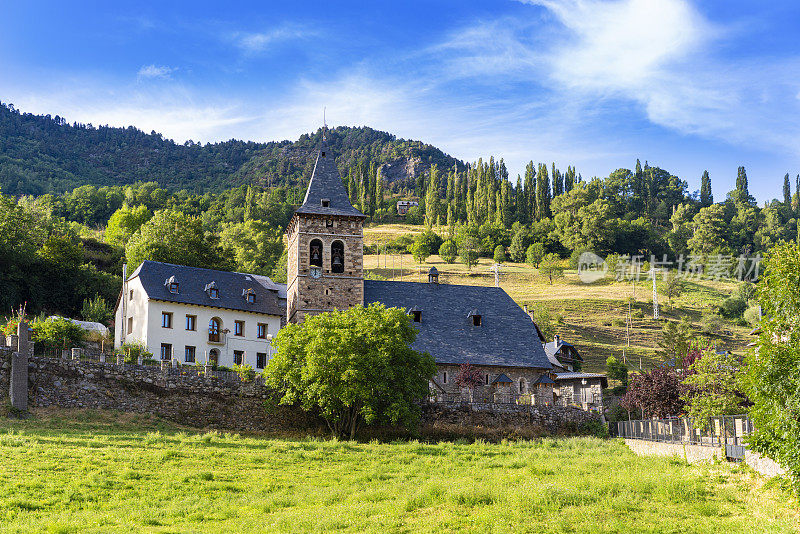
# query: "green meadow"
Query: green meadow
{"points": [[80, 471]]}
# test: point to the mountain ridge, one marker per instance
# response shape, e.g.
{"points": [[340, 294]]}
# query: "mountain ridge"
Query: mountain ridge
{"points": [[46, 154]]}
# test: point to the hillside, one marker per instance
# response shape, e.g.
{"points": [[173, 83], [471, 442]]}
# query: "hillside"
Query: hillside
{"points": [[44, 154], [591, 317]]}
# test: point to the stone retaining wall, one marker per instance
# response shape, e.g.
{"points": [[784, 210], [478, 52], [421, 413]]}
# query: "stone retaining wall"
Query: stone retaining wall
{"points": [[213, 403], [189, 400], [697, 453]]}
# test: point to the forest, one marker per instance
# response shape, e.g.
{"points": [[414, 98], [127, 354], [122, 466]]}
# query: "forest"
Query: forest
{"points": [[58, 249]]}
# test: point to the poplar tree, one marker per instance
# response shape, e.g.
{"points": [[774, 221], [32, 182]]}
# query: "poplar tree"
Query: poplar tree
{"points": [[432, 197], [706, 197], [741, 185], [530, 196], [520, 206], [787, 192], [558, 182], [542, 193], [569, 179]]}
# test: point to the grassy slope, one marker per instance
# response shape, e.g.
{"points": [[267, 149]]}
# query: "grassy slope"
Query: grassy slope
{"points": [[589, 316], [93, 472]]}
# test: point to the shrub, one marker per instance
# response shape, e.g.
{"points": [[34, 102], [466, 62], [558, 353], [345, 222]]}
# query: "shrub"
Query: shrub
{"points": [[710, 322], [534, 254], [752, 315], [96, 310], [733, 307], [448, 251], [132, 351], [245, 372], [415, 215], [499, 254], [57, 332]]}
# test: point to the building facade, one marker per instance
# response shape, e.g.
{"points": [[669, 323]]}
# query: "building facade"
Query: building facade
{"points": [[195, 315]]}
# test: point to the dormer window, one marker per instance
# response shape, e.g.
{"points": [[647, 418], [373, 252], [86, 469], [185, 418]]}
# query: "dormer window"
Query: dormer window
{"points": [[212, 291], [326, 202], [171, 284], [416, 314], [475, 317], [249, 295]]}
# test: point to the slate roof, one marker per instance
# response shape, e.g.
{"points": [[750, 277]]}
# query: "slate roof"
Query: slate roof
{"points": [[326, 183], [544, 379], [576, 375], [192, 281], [502, 379], [551, 349], [507, 337]]}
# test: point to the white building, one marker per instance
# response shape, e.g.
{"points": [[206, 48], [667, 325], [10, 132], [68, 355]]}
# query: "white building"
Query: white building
{"points": [[195, 315]]}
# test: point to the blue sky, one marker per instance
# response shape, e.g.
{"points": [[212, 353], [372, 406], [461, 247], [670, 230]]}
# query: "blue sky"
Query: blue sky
{"points": [[686, 85]]}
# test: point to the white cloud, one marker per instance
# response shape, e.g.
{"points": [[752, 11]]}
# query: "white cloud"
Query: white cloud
{"points": [[262, 41], [155, 71]]}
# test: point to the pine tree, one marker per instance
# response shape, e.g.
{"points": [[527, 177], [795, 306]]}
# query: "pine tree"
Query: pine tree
{"points": [[787, 192], [706, 197], [542, 193]]}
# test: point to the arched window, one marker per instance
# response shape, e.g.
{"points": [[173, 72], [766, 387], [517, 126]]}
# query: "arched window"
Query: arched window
{"points": [[337, 257], [522, 385], [214, 328], [315, 253]]}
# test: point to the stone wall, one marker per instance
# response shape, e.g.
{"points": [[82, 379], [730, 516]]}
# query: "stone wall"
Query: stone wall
{"points": [[697, 453], [690, 453], [189, 400], [232, 405], [497, 421]]}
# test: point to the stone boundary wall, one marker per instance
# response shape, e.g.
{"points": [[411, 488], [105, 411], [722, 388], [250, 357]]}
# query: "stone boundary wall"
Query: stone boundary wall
{"points": [[186, 399], [207, 402], [697, 453]]}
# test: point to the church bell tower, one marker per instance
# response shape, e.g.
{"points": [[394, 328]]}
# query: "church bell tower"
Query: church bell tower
{"points": [[326, 250]]}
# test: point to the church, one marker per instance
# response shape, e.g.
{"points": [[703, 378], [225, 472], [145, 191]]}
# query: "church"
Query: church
{"points": [[195, 315], [480, 326]]}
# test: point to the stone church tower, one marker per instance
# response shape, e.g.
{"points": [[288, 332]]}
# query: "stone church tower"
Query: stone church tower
{"points": [[325, 257]]}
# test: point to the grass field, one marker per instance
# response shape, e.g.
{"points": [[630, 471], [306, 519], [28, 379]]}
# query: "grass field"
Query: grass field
{"points": [[93, 472], [590, 316]]}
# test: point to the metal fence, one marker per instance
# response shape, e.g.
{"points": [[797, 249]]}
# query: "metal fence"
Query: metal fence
{"points": [[729, 431]]}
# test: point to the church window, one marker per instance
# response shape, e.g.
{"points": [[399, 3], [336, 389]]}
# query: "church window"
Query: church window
{"points": [[444, 377], [315, 257], [337, 257], [487, 379], [522, 385], [328, 223]]}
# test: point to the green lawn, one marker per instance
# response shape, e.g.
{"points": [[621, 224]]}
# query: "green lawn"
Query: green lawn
{"points": [[87, 471]]}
